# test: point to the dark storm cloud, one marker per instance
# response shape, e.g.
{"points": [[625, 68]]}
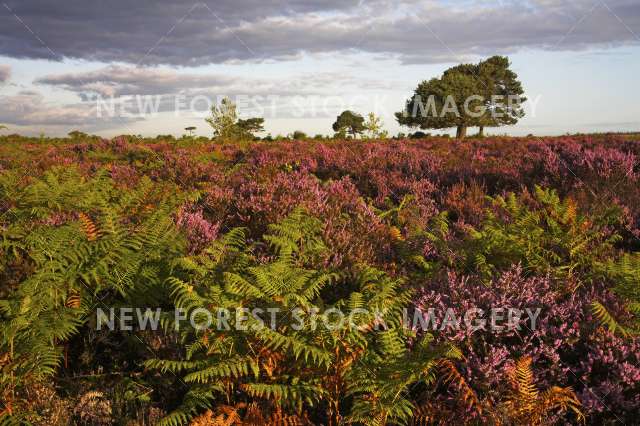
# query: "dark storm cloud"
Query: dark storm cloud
{"points": [[188, 33], [179, 32]]}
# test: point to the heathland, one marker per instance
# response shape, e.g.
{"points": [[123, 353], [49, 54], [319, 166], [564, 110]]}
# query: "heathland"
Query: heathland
{"points": [[374, 229]]}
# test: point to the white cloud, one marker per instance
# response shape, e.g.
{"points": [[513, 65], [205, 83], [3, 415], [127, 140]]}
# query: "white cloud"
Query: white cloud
{"points": [[30, 108], [5, 73]]}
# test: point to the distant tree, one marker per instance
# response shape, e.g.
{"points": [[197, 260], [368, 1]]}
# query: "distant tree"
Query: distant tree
{"points": [[349, 122], [373, 127], [318, 137], [418, 135], [223, 119], [77, 134], [483, 94], [190, 129], [226, 125], [2, 126], [299, 135], [249, 127]]}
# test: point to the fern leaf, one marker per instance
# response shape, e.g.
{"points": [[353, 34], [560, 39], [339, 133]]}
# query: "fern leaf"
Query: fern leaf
{"points": [[88, 227], [607, 320]]}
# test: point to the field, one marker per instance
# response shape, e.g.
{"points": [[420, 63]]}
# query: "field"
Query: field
{"points": [[375, 229]]}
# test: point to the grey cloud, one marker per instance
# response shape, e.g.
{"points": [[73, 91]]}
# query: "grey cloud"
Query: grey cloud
{"points": [[143, 92], [29, 108], [117, 80], [178, 32], [183, 33]]}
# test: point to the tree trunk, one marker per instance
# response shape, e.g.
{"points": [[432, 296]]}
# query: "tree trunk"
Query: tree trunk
{"points": [[481, 131], [461, 132]]}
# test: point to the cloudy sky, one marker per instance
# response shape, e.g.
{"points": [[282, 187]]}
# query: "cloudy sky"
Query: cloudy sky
{"points": [[154, 67]]}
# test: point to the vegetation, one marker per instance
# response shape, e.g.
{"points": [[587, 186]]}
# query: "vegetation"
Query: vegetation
{"points": [[376, 230], [249, 127], [486, 94], [373, 127], [349, 122], [227, 126], [299, 135]]}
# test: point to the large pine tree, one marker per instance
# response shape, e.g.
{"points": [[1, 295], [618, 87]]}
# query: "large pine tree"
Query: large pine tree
{"points": [[483, 94]]}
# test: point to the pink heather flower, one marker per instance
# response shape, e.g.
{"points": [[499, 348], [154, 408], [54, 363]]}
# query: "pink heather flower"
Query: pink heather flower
{"points": [[198, 230]]}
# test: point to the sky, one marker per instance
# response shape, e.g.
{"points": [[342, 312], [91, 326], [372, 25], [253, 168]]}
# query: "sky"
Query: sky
{"points": [[155, 67]]}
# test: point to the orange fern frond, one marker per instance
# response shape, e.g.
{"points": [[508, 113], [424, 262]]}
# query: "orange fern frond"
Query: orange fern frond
{"points": [[563, 398], [254, 415], [73, 300], [280, 419], [395, 233], [427, 414], [269, 360], [454, 378], [526, 388], [571, 211], [205, 338], [88, 227], [225, 415], [528, 405]]}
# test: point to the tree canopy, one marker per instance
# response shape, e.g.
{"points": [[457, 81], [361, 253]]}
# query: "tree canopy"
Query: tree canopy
{"points": [[500, 83], [373, 127], [223, 119], [349, 122], [299, 135], [226, 124], [74, 134], [483, 94], [249, 127]]}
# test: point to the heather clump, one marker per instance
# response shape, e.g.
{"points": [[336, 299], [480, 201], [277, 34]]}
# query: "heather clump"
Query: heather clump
{"points": [[564, 329]]}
